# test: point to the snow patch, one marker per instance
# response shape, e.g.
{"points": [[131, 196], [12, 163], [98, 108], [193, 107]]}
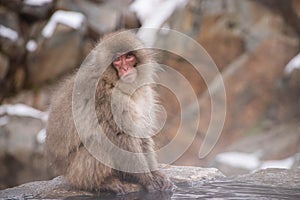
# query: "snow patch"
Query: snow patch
{"points": [[252, 162], [153, 14], [8, 33], [282, 164], [37, 2], [41, 136], [249, 161], [31, 45], [292, 65], [68, 18], [4, 120], [23, 111]]}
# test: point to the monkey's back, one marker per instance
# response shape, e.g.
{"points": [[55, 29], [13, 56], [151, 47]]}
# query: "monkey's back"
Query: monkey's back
{"points": [[61, 137], [66, 153]]}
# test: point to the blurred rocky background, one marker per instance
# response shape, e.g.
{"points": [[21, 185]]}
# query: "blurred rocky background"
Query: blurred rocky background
{"points": [[254, 43]]}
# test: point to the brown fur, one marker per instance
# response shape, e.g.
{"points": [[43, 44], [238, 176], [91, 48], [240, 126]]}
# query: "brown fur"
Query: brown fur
{"points": [[67, 153]]}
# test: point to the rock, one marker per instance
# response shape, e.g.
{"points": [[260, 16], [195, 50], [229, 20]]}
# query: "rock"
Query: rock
{"points": [[270, 146], [264, 184], [189, 176], [221, 39], [4, 64], [213, 7], [186, 19], [278, 142], [56, 55], [261, 23], [276, 146], [272, 177], [34, 189], [38, 99], [59, 188], [253, 93], [19, 78], [249, 99], [130, 20], [11, 42], [15, 5], [286, 100], [102, 18], [37, 9], [249, 83], [22, 157]]}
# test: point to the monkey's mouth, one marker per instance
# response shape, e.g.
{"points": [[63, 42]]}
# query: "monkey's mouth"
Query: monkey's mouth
{"points": [[130, 76]]}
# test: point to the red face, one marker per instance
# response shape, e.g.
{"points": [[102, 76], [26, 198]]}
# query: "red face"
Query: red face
{"points": [[125, 65]]}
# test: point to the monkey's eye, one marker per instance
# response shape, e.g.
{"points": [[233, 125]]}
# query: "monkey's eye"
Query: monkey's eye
{"points": [[116, 59], [130, 56]]}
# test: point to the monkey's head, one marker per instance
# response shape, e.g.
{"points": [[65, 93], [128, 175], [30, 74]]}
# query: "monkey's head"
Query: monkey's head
{"points": [[125, 64], [130, 59]]}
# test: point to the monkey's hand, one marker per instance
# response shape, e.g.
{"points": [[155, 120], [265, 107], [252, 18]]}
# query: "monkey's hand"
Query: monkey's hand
{"points": [[160, 182]]}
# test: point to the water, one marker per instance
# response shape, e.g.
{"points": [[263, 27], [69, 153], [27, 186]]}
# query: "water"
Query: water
{"points": [[236, 190], [211, 190]]}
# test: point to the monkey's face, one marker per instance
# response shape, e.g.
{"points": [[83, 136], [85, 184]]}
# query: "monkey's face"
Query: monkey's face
{"points": [[125, 66]]}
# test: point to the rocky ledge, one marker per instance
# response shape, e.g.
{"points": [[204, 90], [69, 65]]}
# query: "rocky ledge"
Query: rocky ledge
{"points": [[58, 188], [191, 182]]}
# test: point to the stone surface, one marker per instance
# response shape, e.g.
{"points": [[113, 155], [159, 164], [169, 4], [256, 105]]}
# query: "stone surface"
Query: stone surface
{"points": [[39, 98], [15, 5], [221, 38], [4, 64], [272, 177], [264, 184], [189, 176], [249, 83], [59, 188], [102, 18], [11, 42], [278, 144], [54, 57], [285, 141], [22, 157], [37, 11]]}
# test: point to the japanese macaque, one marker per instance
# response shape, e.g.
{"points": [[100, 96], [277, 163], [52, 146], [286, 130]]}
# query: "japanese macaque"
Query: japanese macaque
{"points": [[125, 107]]}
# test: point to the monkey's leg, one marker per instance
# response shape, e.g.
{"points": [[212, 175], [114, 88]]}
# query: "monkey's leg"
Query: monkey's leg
{"points": [[87, 173], [151, 182], [115, 185], [135, 145], [160, 181]]}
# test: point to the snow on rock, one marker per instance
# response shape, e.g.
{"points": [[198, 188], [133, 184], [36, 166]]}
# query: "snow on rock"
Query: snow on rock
{"points": [[37, 2], [252, 162], [293, 64], [282, 164], [8, 33], [153, 14], [31, 45], [4, 120], [68, 18], [249, 161], [23, 111], [41, 136]]}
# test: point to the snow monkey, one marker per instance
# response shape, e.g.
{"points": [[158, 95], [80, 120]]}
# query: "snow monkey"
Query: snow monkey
{"points": [[129, 66]]}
